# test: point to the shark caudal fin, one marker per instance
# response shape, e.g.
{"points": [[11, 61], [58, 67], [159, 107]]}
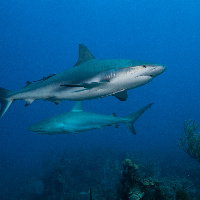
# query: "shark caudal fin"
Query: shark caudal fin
{"points": [[134, 116], [5, 103]]}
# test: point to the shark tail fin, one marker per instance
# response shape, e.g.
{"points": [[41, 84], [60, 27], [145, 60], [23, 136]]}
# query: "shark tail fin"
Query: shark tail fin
{"points": [[134, 116], [5, 103]]}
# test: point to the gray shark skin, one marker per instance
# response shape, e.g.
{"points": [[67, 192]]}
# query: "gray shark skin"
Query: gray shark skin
{"points": [[77, 120], [90, 78]]}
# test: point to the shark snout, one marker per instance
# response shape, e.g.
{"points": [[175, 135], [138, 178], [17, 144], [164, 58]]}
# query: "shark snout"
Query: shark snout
{"points": [[31, 129], [35, 129], [156, 70]]}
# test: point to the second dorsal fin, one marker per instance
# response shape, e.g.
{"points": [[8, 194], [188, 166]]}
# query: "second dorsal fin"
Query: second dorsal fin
{"points": [[84, 54]]}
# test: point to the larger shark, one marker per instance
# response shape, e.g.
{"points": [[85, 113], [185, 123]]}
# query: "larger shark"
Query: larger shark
{"points": [[77, 120], [90, 78]]}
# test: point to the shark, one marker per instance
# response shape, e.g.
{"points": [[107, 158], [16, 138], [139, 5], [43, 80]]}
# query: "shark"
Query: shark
{"points": [[77, 120], [89, 78]]}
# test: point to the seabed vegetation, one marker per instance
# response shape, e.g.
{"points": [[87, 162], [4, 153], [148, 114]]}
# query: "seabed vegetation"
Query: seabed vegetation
{"points": [[102, 174], [190, 141], [105, 175]]}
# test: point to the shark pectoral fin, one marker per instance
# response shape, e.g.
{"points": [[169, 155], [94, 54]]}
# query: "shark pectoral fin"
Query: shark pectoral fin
{"points": [[87, 85], [28, 102], [122, 96], [116, 125], [94, 84]]}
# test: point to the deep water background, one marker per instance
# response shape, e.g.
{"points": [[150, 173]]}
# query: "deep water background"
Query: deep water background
{"points": [[41, 37]]}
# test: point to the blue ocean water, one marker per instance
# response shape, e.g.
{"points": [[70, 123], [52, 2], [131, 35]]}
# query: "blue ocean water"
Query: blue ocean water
{"points": [[38, 38]]}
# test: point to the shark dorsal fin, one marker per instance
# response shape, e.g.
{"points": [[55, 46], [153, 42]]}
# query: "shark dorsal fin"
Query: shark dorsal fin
{"points": [[77, 107], [84, 54]]}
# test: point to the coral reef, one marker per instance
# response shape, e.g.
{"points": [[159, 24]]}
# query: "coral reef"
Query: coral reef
{"points": [[190, 141], [135, 187], [99, 174]]}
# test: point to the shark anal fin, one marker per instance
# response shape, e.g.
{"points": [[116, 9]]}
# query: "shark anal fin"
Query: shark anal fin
{"points": [[57, 102], [28, 102], [53, 99], [84, 55], [122, 96], [117, 126]]}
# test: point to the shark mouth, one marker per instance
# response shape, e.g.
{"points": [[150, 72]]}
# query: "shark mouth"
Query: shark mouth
{"points": [[146, 75], [36, 130]]}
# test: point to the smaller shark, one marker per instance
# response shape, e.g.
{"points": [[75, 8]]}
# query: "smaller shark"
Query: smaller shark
{"points": [[77, 120]]}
